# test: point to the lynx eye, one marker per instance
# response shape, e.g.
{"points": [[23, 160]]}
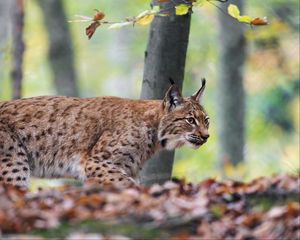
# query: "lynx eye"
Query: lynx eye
{"points": [[191, 120], [206, 120]]}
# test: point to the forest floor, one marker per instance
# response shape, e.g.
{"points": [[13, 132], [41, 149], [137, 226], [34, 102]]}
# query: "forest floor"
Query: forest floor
{"points": [[266, 208]]}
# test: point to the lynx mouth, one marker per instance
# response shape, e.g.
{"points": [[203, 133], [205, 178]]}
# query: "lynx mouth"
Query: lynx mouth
{"points": [[195, 140], [163, 142]]}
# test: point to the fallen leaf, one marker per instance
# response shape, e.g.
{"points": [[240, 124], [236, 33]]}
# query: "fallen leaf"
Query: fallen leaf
{"points": [[210, 209]]}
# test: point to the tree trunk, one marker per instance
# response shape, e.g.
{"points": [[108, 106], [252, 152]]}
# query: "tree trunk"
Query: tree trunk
{"points": [[5, 26], [18, 48], [230, 91], [60, 52], [164, 58]]}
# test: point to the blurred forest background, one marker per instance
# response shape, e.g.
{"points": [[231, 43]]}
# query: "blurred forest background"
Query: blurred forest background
{"points": [[112, 63]]}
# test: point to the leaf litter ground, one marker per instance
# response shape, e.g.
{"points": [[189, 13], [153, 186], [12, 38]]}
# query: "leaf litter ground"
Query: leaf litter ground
{"points": [[266, 208]]}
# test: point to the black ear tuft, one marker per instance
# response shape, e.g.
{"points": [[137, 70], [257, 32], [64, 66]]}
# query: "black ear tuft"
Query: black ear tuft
{"points": [[203, 80], [197, 95]]}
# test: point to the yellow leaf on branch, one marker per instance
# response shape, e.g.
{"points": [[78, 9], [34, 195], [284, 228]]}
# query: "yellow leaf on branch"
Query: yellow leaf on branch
{"points": [[244, 19], [145, 20], [182, 9], [233, 11]]}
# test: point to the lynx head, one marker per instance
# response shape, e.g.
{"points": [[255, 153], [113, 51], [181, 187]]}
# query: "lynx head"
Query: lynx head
{"points": [[185, 121]]}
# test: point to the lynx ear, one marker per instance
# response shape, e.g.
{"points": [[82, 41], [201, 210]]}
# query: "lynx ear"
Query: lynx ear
{"points": [[172, 98], [197, 95]]}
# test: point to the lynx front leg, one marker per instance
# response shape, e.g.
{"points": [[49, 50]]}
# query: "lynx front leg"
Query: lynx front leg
{"points": [[105, 173], [14, 167]]}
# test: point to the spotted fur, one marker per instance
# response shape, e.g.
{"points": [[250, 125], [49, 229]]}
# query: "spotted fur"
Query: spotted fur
{"points": [[105, 139]]}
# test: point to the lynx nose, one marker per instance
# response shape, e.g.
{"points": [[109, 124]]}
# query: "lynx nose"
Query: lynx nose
{"points": [[205, 136]]}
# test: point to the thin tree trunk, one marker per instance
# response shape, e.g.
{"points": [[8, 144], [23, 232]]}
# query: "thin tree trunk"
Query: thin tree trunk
{"points": [[230, 91], [164, 58], [18, 48], [60, 52], [5, 26]]}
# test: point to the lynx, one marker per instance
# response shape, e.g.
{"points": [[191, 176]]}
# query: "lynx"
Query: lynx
{"points": [[105, 140]]}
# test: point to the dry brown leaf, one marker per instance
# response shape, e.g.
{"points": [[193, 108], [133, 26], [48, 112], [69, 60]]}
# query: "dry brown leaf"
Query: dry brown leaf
{"points": [[259, 21], [99, 15], [90, 30], [217, 209]]}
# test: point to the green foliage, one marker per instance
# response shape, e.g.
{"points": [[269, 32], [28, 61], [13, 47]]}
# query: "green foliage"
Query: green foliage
{"points": [[276, 108]]}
